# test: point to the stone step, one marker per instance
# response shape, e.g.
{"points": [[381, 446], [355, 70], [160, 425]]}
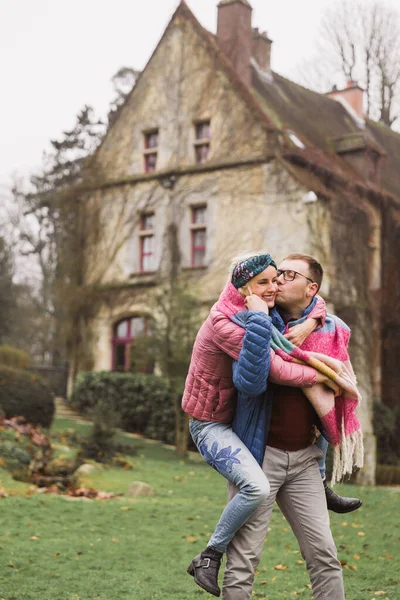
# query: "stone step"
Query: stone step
{"points": [[65, 411]]}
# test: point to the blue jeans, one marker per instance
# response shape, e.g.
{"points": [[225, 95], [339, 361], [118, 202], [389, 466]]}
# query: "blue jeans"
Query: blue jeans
{"points": [[225, 452], [322, 443]]}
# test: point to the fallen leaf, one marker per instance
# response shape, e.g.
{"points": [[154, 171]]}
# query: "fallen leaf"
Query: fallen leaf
{"points": [[353, 567], [191, 539], [380, 593], [115, 540], [389, 556], [126, 507], [299, 562], [281, 568], [34, 537], [360, 533], [356, 557]]}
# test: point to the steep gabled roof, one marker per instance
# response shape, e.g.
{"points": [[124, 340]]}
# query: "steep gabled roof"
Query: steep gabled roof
{"points": [[318, 120], [314, 117]]}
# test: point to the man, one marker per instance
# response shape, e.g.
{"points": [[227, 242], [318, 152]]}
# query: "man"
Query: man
{"points": [[290, 461]]}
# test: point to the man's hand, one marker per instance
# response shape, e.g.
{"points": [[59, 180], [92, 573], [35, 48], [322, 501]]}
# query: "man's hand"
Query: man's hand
{"points": [[321, 378], [298, 333], [254, 302]]}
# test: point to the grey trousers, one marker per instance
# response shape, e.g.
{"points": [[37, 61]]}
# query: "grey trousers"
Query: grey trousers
{"points": [[297, 487]]}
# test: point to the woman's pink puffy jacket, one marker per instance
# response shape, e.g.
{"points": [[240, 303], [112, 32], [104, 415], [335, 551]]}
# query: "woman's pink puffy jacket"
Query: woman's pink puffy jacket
{"points": [[209, 391]]}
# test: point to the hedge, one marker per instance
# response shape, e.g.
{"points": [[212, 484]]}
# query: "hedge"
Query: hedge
{"points": [[24, 394], [143, 403]]}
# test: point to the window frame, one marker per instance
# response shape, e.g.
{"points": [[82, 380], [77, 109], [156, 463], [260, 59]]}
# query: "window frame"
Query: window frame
{"points": [[201, 142], [195, 228], [143, 235], [150, 151], [125, 341]]}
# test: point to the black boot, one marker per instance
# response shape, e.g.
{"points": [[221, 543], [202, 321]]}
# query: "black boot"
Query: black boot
{"points": [[338, 504], [204, 568]]}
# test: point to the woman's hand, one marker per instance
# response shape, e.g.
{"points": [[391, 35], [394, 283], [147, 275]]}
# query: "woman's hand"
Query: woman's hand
{"points": [[298, 333], [254, 302]]}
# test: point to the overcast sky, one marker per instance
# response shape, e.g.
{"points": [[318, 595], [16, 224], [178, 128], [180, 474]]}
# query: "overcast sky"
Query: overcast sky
{"points": [[57, 55]]}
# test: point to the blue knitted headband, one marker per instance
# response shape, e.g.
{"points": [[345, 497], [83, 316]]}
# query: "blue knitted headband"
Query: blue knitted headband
{"points": [[249, 268]]}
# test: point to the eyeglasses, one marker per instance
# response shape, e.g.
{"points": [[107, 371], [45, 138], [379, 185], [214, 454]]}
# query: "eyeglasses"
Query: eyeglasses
{"points": [[290, 275]]}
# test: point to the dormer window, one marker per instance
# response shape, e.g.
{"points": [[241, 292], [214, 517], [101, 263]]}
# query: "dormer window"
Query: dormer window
{"points": [[202, 141], [150, 150]]}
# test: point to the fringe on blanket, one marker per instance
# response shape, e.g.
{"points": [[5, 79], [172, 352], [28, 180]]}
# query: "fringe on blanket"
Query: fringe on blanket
{"points": [[349, 453]]}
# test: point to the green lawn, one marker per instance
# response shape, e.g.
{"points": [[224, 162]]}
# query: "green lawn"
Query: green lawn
{"points": [[57, 549]]}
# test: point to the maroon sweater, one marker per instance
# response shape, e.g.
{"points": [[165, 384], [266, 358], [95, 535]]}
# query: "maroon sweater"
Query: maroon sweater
{"points": [[292, 419]]}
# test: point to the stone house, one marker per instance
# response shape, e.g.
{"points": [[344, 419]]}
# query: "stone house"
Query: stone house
{"points": [[218, 153]]}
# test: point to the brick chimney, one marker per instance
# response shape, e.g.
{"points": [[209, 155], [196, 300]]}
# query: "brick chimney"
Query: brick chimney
{"points": [[235, 35], [353, 94], [261, 49]]}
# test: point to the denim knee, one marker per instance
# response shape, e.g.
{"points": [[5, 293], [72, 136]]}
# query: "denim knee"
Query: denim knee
{"points": [[258, 490]]}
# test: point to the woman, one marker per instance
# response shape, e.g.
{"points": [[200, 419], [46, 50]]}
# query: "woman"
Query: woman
{"points": [[209, 396]]}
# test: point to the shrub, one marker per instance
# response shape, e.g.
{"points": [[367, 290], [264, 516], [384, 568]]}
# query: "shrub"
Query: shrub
{"points": [[12, 357], [100, 444], [24, 394], [386, 428], [144, 403], [24, 450], [15, 454]]}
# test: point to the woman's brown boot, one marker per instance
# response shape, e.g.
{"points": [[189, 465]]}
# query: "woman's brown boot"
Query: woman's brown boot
{"points": [[204, 568]]}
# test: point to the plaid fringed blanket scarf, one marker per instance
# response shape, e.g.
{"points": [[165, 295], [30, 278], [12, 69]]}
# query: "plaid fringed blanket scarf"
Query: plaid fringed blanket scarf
{"points": [[325, 349]]}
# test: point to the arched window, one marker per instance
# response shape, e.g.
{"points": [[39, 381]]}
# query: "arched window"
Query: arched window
{"points": [[124, 335]]}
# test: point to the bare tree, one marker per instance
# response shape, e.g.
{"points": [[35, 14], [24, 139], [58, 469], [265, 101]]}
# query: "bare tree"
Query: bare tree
{"points": [[359, 41], [123, 82]]}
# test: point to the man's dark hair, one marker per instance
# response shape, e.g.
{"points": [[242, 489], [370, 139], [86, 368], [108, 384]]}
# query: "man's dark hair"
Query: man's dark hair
{"points": [[316, 271]]}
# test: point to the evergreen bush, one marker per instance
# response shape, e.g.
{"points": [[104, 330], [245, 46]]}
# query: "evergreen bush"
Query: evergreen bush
{"points": [[24, 394]]}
